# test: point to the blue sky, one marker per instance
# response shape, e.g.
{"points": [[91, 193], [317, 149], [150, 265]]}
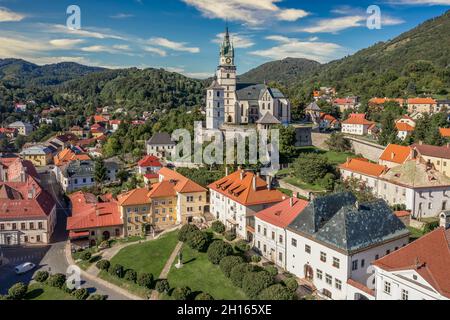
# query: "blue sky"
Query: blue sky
{"points": [[183, 35]]}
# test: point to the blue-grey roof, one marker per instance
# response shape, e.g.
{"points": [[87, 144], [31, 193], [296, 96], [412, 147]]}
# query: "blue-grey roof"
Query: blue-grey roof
{"points": [[78, 168], [338, 220], [251, 91]]}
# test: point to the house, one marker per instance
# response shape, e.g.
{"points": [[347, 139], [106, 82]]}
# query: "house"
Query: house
{"points": [[439, 156], [374, 130], [160, 145], [344, 104], [97, 130], [93, 219], [395, 155], [405, 127], [313, 112], [328, 122], [103, 119], [39, 155], [151, 178], [70, 154], [135, 208], [356, 124], [20, 107], [267, 121], [23, 128], [270, 229], [28, 212], [114, 124], [236, 198], [10, 133], [112, 169], [79, 132], [335, 239], [418, 271], [441, 104], [76, 175], [422, 105], [376, 102], [149, 164]]}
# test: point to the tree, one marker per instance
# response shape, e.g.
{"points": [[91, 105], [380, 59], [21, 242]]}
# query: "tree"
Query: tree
{"points": [[338, 142], [18, 291], [97, 296], [185, 231], [359, 188], [181, 293], [276, 292], [100, 171], [254, 282], [242, 246], [291, 284], [41, 276], [204, 296], [117, 270], [103, 264], [272, 270], [228, 263], [218, 250], [388, 129], [218, 227], [81, 294], [162, 286], [145, 280], [238, 272], [288, 140], [198, 240], [56, 280], [85, 255], [130, 275], [310, 167]]}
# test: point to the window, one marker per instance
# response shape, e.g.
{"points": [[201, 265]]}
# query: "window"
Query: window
{"points": [[2, 226], [293, 242], [307, 248], [444, 205], [388, 251], [259, 228], [363, 262], [31, 226], [336, 262], [22, 226], [280, 239], [280, 256], [319, 274], [338, 284], [259, 244], [323, 257], [40, 225], [354, 265], [265, 232], [273, 235], [387, 287], [405, 294], [377, 256], [265, 248], [328, 279]]}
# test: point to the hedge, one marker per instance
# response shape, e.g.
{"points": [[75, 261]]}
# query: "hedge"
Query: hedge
{"points": [[254, 282], [228, 263], [218, 226], [219, 250], [181, 293], [185, 231]]}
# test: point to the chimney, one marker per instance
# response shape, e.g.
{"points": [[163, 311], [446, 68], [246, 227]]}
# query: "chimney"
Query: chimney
{"points": [[420, 142], [444, 220], [254, 182], [226, 171], [31, 192], [23, 175], [241, 173], [392, 155], [291, 202], [269, 182]]}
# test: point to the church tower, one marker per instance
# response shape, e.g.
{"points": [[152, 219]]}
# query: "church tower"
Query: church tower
{"points": [[214, 106], [226, 77]]}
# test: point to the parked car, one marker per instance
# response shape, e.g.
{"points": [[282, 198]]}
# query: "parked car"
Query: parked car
{"points": [[24, 267]]}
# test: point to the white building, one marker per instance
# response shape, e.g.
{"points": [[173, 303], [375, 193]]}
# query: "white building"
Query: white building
{"points": [[236, 198], [23, 128], [160, 145], [335, 239], [405, 127], [356, 124]]}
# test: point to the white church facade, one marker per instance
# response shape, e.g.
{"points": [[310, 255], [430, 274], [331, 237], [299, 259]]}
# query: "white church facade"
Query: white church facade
{"points": [[232, 103]]}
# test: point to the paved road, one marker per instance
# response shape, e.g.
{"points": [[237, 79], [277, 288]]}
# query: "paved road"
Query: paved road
{"points": [[50, 258]]}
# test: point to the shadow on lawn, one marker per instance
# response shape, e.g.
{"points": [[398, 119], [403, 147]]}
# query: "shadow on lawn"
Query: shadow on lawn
{"points": [[33, 294], [189, 261]]}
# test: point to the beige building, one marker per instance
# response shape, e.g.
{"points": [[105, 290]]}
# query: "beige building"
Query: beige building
{"points": [[23, 128], [438, 156], [38, 155]]}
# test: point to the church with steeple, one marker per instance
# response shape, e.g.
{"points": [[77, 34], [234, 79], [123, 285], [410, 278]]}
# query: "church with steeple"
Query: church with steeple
{"points": [[229, 102]]}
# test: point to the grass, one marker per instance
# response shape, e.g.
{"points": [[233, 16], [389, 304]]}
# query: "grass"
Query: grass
{"points": [[149, 256], [127, 285], [415, 233], [303, 185], [39, 291], [83, 264], [286, 191], [202, 276]]}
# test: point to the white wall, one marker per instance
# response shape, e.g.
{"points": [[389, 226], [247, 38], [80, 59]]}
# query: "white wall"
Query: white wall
{"points": [[274, 247]]}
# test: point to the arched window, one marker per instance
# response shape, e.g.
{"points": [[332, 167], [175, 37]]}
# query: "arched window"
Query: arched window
{"points": [[228, 76]]}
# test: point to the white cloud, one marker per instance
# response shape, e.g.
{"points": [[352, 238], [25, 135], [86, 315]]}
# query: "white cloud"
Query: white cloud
{"points": [[251, 12], [296, 48], [122, 16], [158, 51], [65, 43], [239, 41], [422, 2], [176, 46], [124, 47], [7, 15]]}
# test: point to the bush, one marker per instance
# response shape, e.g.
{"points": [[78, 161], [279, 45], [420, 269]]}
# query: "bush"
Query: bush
{"points": [[103, 264], [66, 289], [18, 291], [291, 284], [56, 280], [162, 286], [81, 294], [219, 250], [254, 282], [227, 263], [130, 275], [230, 235], [238, 272], [218, 226], [204, 296], [256, 258], [181, 293], [117, 270], [185, 231], [276, 292], [41, 276], [97, 296], [198, 240], [242, 246], [145, 280], [272, 270], [85, 255]]}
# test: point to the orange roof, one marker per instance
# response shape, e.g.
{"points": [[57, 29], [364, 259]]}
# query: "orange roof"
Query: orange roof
{"points": [[149, 161], [422, 101], [100, 118], [344, 101], [164, 189], [363, 166], [429, 256], [283, 213], [239, 187], [384, 100], [67, 155], [396, 153], [133, 197], [183, 184], [401, 214], [358, 118], [404, 127], [316, 93], [328, 117], [361, 287], [445, 132]]}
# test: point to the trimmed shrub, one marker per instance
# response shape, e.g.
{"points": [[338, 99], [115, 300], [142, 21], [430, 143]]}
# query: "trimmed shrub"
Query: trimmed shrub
{"points": [[185, 231], [56, 280], [66, 289], [162, 286], [228, 263], [17, 291], [238, 272], [204, 296], [103, 264], [145, 280], [256, 259], [181, 293], [218, 226], [272, 270], [117, 270], [242, 246], [86, 256], [219, 250], [198, 240], [276, 292], [97, 296], [230, 235], [130, 275], [41, 276], [291, 284], [81, 294], [254, 282]]}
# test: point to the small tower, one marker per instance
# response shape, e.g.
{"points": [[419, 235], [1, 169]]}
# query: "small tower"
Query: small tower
{"points": [[215, 106]]}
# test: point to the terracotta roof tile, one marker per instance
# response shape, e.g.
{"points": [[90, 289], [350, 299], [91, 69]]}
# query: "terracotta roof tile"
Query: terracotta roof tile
{"points": [[404, 127], [149, 161], [282, 214], [362, 165], [396, 153], [133, 197], [432, 151], [445, 132], [357, 118]]}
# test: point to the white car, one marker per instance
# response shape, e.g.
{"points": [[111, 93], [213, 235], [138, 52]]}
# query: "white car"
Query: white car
{"points": [[24, 267]]}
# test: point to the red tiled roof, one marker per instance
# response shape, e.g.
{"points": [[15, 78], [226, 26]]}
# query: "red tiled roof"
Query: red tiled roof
{"points": [[133, 197], [396, 153], [151, 176], [404, 127], [344, 101], [358, 118], [429, 256], [242, 191], [164, 189], [432, 151], [445, 132], [363, 166], [360, 286], [183, 184], [422, 101], [149, 161], [401, 214], [282, 214], [384, 100]]}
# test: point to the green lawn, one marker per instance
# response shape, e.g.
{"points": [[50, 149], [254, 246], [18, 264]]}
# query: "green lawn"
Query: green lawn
{"points": [[202, 276], [303, 185], [127, 285], [149, 256], [39, 291]]}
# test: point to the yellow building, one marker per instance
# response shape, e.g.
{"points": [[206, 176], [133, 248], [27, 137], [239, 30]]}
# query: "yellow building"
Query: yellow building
{"points": [[134, 207], [38, 155], [438, 156]]}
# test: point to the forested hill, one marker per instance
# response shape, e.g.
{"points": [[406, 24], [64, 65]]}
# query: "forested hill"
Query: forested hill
{"points": [[416, 62]]}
